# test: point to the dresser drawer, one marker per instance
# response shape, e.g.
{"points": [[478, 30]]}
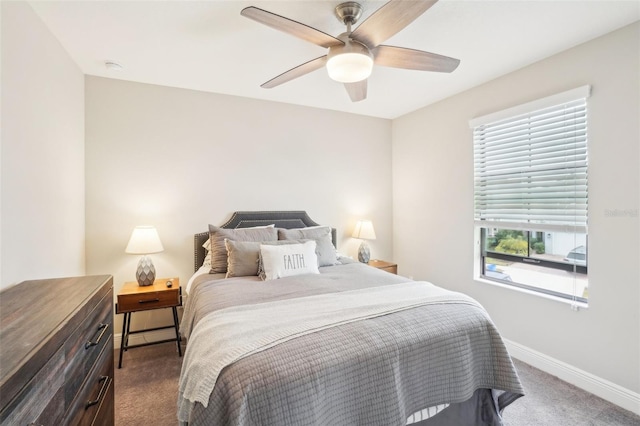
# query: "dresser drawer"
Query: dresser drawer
{"points": [[85, 345], [95, 401], [148, 300]]}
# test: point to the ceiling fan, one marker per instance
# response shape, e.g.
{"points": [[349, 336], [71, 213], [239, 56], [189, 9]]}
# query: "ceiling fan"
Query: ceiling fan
{"points": [[351, 55]]}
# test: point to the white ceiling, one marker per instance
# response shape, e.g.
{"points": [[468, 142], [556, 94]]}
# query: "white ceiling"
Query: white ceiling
{"points": [[209, 46]]}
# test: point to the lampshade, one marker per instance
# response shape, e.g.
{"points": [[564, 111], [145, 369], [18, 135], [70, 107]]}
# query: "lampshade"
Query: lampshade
{"points": [[350, 62], [364, 230], [144, 240]]}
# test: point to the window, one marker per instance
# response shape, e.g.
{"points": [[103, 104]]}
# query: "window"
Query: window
{"points": [[530, 195]]}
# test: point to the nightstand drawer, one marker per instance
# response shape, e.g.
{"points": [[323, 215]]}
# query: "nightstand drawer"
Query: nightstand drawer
{"points": [[385, 266], [393, 269], [148, 300]]}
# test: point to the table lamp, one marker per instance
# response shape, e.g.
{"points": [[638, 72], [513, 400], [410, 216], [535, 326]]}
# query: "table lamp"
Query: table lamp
{"points": [[145, 240], [364, 231]]}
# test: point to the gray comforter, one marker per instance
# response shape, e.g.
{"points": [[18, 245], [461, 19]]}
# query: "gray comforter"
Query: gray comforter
{"points": [[377, 371]]}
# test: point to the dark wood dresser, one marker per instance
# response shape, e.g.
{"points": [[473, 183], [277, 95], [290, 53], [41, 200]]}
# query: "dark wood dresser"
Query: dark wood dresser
{"points": [[56, 352]]}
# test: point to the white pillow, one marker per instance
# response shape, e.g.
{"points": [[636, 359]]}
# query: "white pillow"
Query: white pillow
{"points": [[279, 261]]}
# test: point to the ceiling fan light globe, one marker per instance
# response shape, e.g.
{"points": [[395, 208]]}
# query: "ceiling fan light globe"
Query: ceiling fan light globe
{"points": [[350, 62], [349, 67]]}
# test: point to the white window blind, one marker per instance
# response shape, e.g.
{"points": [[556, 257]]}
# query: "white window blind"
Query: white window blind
{"points": [[530, 169]]}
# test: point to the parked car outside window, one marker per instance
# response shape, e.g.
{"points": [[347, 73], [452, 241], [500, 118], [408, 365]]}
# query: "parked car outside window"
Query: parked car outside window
{"points": [[577, 256]]}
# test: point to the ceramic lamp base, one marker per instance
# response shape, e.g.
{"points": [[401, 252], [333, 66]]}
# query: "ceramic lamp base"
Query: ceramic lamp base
{"points": [[363, 253], [146, 272]]}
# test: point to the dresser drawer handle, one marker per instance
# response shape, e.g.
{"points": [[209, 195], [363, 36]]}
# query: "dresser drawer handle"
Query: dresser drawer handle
{"points": [[103, 389], [102, 328], [149, 301]]}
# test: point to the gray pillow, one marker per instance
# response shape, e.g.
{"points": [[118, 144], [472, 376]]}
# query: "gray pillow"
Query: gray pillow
{"points": [[321, 234], [242, 258], [219, 250]]}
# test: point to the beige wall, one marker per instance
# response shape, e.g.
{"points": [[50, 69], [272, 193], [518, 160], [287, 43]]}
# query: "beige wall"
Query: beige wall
{"points": [[42, 160], [433, 220], [181, 159]]}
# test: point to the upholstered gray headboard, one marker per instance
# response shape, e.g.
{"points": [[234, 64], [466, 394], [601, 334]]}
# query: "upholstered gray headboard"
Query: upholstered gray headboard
{"points": [[281, 219]]}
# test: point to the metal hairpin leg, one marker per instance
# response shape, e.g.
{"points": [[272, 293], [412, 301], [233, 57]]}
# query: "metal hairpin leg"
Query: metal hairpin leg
{"points": [[124, 338]]}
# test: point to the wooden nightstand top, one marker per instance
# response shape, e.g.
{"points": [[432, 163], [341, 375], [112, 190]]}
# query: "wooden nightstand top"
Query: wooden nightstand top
{"points": [[160, 284], [133, 297], [384, 265]]}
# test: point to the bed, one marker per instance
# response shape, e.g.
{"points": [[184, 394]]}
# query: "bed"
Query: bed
{"points": [[334, 343]]}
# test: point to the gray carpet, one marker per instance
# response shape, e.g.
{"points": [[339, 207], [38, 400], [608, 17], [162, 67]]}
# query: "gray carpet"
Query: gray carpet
{"points": [[147, 387]]}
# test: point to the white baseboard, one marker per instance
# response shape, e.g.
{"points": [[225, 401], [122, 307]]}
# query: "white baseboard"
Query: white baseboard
{"points": [[603, 388], [148, 336]]}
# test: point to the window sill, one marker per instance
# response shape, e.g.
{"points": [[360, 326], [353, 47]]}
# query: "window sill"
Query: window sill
{"points": [[574, 305]]}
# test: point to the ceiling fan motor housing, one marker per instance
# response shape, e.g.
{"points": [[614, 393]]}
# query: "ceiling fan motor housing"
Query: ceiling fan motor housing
{"points": [[349, 12]]}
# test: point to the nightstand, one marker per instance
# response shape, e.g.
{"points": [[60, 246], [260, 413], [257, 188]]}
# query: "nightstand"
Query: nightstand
{"points": [[385, 266], [135, 298]]}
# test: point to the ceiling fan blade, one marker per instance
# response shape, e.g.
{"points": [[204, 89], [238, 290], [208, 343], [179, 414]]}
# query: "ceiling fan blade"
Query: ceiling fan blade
{"points": [[357, 91], [411, 59], [389, 19], [291, 27], [296, 72]]}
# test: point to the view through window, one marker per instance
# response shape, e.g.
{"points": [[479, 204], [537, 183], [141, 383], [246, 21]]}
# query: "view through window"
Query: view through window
{"points": [[550, 262]]}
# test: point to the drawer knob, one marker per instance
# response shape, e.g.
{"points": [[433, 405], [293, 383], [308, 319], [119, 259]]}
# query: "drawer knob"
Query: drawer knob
{"points": [[102, 328], [149, 300]]}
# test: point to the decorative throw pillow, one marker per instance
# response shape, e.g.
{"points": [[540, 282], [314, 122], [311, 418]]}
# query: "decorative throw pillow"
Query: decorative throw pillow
{"points": [[278, 243], [242, 258], [207, 260], [286, 260], [219, 250], [322, 236], [207, 244]]}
